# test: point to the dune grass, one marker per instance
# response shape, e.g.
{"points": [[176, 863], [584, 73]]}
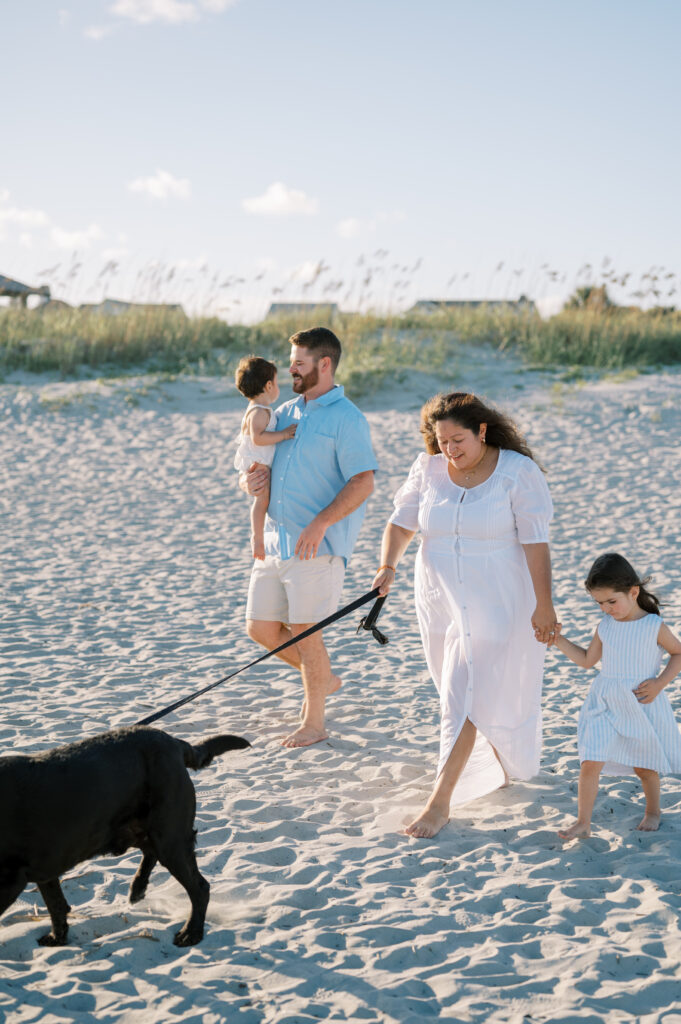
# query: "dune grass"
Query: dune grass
{"points": [[69, 340]]}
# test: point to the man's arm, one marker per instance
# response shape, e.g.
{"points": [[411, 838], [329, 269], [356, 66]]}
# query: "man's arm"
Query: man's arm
{"points": [[357, 489]]}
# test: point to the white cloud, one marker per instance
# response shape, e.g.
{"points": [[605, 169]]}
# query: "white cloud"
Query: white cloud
{"points": [[162, 186], [25, 218], [173, 12], [4, 195], [75, 239], [351, 227], [114, 255], [143, 12], [26, 239], [278, 200], [217, 6], [98, 32], [63, 15]]}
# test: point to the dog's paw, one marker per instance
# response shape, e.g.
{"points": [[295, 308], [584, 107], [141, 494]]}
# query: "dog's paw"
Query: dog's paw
{"points": [[188, 936], [50, 939], [137, 892]]}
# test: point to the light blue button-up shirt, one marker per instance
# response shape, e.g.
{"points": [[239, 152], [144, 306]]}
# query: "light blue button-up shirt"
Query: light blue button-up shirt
{"points": [[331, 445]]}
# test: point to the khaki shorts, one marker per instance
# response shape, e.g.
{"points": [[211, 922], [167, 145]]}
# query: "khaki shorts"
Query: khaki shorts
{"points": [[295, 591]]}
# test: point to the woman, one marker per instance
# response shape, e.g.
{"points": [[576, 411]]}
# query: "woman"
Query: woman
{"points": [[483, 594]]}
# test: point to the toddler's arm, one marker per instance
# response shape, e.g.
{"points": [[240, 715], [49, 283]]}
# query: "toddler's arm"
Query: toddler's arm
{"points": [[647, 691], [261, 436], [584, 658]]}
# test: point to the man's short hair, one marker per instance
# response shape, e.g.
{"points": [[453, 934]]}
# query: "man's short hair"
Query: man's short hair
{"points": [[252, 374], [320, 341]]}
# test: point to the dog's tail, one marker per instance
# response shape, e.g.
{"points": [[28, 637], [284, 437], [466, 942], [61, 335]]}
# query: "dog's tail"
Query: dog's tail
{"points": [[200, 754]]}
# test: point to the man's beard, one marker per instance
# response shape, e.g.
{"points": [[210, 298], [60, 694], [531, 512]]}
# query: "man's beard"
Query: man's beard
{"points": [[303, 383]]}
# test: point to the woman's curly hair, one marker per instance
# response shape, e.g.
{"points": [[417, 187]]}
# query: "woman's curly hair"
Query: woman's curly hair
{"points": [[469, 412]]}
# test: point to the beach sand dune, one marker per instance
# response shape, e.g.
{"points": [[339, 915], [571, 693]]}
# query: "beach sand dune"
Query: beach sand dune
{"points": [[124, 555]]}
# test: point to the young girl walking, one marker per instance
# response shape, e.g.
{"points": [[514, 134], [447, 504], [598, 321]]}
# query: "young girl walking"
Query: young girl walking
{"points": [[626, 724]]}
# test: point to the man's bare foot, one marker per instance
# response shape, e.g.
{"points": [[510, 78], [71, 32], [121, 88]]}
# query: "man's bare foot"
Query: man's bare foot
{"points": [[578, 829], [427, 825], [305, 736], [334, 683], [649, 822], [258, 549]]}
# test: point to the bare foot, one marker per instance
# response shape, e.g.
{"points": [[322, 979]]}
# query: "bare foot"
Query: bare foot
{"points": [[305, 737], [258, 548], [334, 683], [649, 822], [427, 825], [578, 829]]}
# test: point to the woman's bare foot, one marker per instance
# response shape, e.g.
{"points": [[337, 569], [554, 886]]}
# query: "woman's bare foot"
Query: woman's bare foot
{"points": [[649, 822], [335, 683], [428, 823], [305, 736], [579, 828]]}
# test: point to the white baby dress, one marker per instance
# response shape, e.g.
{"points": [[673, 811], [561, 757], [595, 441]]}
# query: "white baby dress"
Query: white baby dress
{"points": [[247, 453]]}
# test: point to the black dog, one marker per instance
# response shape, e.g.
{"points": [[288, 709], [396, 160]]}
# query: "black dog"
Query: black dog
{"points": [[104, 795]]}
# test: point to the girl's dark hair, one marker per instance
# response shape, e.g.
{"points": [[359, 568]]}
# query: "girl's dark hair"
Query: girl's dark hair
{"points": [[613, 571], [252, 374], [469, 411]]}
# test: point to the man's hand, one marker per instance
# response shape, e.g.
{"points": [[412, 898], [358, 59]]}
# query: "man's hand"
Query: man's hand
{"points": [[647, 691], [255, 480], [310, 539]]}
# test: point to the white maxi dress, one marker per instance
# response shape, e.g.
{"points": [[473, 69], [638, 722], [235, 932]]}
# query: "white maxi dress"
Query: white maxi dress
{"points": [[474, 602]]}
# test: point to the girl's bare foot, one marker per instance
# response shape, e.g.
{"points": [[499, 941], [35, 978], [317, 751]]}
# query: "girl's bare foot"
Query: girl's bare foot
{"points": [[306, 736], [579, 828], [649, 822], [335, 683], [428, 824]]}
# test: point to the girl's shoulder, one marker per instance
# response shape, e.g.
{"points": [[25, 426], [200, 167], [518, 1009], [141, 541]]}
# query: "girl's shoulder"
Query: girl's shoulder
{"points": [[603, 626]]}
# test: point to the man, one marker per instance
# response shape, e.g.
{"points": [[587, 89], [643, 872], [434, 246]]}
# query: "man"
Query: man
{"points": [[320, 481]]}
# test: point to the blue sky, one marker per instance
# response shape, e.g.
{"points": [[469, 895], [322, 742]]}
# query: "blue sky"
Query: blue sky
{"points": [[224, 154]]}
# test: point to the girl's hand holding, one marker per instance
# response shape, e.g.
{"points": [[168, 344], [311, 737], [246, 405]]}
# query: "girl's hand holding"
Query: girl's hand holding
{"points": [[384, 579], [553, 637], [290, 432], [647, 691]]}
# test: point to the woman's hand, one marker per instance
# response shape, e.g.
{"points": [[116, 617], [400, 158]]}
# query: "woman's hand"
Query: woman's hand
{"points": [[384, 580], [545, 623], [647, 691]]}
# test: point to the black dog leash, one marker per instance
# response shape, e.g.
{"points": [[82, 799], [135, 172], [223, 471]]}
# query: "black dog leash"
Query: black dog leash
{"points": [[368, 623]]}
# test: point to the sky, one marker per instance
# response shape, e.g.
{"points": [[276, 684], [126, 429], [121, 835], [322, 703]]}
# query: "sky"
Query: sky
{"points": [[229, 153]]}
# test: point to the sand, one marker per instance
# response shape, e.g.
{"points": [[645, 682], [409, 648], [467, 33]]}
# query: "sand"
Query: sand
{"points": [[124, 556]]}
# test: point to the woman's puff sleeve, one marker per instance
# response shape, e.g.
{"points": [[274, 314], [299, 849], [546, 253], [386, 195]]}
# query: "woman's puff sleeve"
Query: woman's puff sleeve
{"points": [[408, 497], [531, 504]]}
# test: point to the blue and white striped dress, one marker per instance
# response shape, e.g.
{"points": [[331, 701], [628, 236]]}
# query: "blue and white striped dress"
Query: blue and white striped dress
{"points": [[613, 726]]}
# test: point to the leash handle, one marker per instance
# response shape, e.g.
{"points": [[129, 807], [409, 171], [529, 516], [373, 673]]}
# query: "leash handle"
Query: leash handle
{"points": [[341, 613], [369, 622]]}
